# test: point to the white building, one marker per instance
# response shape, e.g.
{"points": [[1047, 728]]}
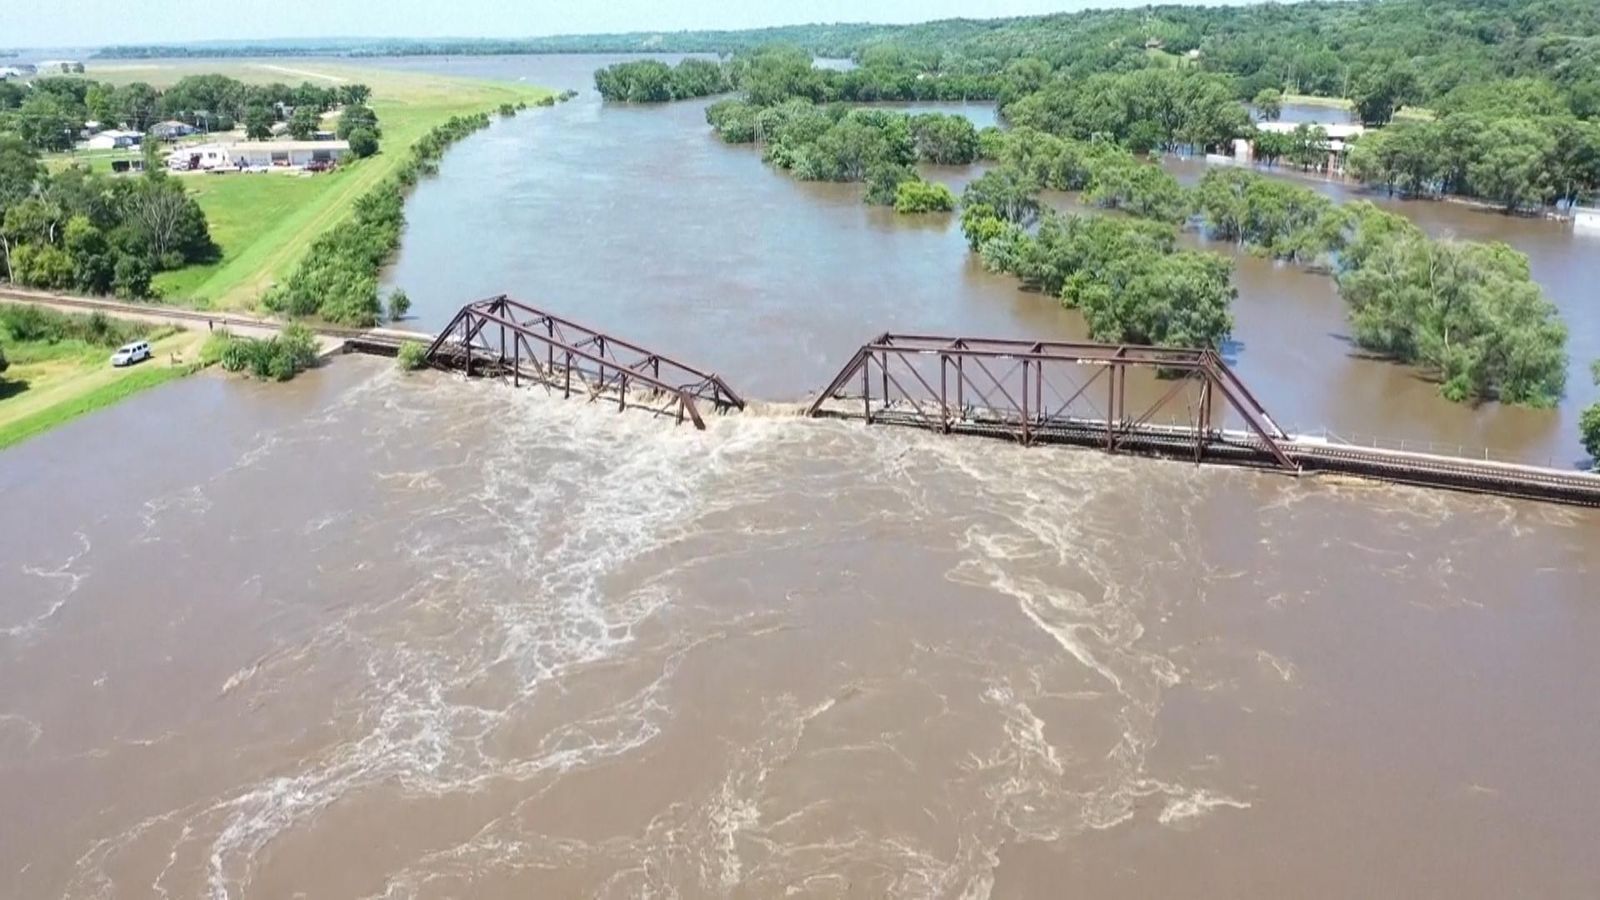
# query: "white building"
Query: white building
{"points": [[294, 154], [258, 155], [112, 139]]}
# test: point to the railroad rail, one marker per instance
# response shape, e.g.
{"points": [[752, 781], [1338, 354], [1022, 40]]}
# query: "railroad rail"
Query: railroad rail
{"points": [[1157, 401], [506, 338]]}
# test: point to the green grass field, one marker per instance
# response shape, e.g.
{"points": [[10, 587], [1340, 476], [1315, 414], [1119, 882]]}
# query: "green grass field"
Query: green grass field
{"points": [[265, 222]]}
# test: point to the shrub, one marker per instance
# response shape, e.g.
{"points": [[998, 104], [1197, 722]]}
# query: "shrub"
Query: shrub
{"points": [[413, 355], [923, 196], [6, 365], [507, 110], [363, 143], [399, 305], [279, 358], [33, 323]]}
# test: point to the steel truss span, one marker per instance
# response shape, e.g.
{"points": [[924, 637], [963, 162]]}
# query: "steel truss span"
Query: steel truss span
{"points": [[1177, 403], [508, 339], [1184, 402]]}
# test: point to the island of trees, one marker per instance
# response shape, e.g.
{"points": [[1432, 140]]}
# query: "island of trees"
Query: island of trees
{"points": [[1469, 313]]}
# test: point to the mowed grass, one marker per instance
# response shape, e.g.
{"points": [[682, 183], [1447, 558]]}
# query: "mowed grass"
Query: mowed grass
{"points": [[266, 222], [49, 384]]}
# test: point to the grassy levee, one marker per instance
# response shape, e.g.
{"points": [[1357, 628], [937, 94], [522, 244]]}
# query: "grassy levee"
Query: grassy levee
{"points": [[265, 223], [51, 384]]}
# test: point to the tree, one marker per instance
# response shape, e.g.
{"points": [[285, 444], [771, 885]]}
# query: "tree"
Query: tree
{"points": [[92, 260], [131, 278], [4, 364], [1588, 423], [304, 123], [362, 143], [1510, 167], [357, 117], [1469, 312], [169, 222], [20, 171], [1143, 189], [258, 123], [1269, 103], [46, 122], [399, 305], [918, 196], [354, 94], [1007, 191]]}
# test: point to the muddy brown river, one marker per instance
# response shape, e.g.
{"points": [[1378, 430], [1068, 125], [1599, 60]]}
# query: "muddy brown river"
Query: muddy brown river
{"points": [[371, 635]]}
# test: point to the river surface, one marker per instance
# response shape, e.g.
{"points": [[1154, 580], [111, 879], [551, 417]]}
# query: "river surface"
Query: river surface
{"points": [[371, 635], [638, 219]]}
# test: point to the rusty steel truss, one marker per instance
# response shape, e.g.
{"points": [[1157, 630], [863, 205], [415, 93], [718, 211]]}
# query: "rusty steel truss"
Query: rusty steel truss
{"points": [[506, 338], [1060, 392]]}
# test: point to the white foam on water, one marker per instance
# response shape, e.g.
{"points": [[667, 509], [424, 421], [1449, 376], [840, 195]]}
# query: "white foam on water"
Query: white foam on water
{"points": [[518, 562], [61, 583]]}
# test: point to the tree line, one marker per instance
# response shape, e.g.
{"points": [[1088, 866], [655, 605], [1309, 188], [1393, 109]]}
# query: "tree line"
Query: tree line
{"points": [[1512, 142], [49, 113], [1383, 53], [80, 231]]}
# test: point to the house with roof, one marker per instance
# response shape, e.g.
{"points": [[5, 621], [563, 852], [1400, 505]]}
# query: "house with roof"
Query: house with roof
{"points": [[172, 129], [113, 139]]}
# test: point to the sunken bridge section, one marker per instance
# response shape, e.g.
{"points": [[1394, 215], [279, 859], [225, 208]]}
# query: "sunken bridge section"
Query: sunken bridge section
{"points": [[506, 338], [1155, 401]]}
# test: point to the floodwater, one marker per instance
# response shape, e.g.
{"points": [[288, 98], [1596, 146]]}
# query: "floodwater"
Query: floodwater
{"points": [[638, 219], [371, 635]]}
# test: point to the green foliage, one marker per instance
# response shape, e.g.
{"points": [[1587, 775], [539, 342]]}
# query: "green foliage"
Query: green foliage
{"points": [[4, 364], [412, 356], [1588, 422], [1143, 189], [1011, 193], [944, 140], [399, 305], [258, 123], [918, 196], [363, 143], [42, 266], [1279, 219], [1126, 276], [1469, 312], [1269, 103], [23, 322], [304, 123], [356, 118], [733, 120], [278, 358], [651, 81], [507, 110], [1149, 109]]}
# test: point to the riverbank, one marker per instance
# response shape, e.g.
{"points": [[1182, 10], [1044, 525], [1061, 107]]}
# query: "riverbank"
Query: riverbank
{"points": [[266, 225], [52, 381]]}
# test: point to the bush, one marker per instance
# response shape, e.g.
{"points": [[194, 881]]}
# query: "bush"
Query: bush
{"points": [[363, 143], [131, 278], [507, 110], [33, 323], [399, 305], [922, 197], [278, 358], [6, 365], [413, 355]]}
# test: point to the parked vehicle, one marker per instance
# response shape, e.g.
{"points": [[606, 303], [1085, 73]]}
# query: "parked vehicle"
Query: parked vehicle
{"points": [[320, 165], [128, 354]]}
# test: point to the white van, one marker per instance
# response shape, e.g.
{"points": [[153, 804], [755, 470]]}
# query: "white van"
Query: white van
{"points": [[128, 354]]}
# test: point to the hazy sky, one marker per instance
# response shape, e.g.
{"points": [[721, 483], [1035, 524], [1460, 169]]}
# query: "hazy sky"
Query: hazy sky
{"points": [[72, 23]]}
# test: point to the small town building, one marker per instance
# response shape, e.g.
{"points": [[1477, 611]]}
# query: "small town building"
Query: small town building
{"points": [[287, 153], [1339, 137], [257, 155], [172, 129], [112, 139]]}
